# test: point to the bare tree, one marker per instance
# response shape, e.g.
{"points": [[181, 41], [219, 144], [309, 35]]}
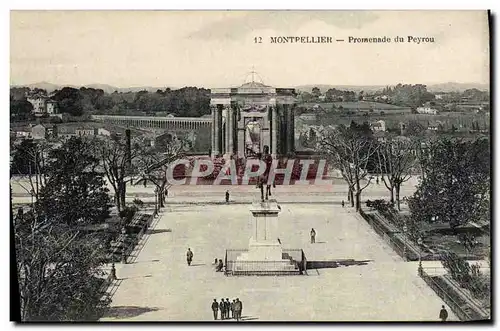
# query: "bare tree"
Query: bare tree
{"points": [[28, 165], [154, 164], [350, 152], [396, 157], [116, 162]]}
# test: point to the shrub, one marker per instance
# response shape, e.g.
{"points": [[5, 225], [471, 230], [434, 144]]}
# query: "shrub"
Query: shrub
{"points": [[138, 202], [128, 213]]}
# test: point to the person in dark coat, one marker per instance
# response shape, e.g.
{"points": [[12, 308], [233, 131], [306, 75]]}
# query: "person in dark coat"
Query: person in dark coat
{"points": [[343, 204], [222, 307], [189, 256], [443, 314], [228, 308], [313, 236], [238, 307], [220, 266], [215, 308], [227, 196], [232, 309]]}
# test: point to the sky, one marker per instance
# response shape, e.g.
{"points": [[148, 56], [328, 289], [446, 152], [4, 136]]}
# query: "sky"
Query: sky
{"points": [[217, 48]]}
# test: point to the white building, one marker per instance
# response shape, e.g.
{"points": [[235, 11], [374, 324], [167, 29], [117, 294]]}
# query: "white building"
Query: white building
{"points": [[378, 126], [427, 110]]}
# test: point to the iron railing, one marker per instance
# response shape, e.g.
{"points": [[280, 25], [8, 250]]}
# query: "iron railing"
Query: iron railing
{"points": [[459, 306], [296, 258]]}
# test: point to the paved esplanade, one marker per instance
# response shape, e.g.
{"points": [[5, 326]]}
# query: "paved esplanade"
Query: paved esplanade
{"points": [[160, 286]]}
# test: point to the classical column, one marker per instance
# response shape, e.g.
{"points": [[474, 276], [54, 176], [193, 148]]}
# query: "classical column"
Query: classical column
{"points": [[274, 131], [290, 134], [216, 130], [230, 130]]}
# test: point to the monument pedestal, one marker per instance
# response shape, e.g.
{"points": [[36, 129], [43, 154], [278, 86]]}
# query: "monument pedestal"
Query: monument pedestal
{"points": [[265, 254]]}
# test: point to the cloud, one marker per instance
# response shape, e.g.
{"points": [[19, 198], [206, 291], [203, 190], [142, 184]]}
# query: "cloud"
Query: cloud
{"points": [[239, 24]]}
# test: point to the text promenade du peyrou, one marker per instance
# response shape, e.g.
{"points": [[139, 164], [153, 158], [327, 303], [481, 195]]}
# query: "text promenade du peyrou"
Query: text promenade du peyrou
{"points": [[350, 40]]}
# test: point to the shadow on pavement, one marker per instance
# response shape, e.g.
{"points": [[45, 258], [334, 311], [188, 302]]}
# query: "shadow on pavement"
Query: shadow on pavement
{"points": [[248, 318], [146, 276], [155, 231], [197, 264], [335, 263], [128, 311]]}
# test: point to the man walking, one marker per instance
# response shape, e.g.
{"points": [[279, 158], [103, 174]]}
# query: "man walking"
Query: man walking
{"points": [[343, 204], [215, 308], [227, 196], [443, 314], [313, 236], [189, 256]]}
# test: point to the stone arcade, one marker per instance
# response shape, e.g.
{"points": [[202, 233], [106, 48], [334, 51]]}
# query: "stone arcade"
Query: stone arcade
{"points": [[251, 119]]}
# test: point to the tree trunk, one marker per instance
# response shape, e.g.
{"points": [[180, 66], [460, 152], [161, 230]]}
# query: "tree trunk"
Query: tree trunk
{"points": [[358, 201], [392, 195], [117, 202], [161, 193], [398, 188], [123, 192]]}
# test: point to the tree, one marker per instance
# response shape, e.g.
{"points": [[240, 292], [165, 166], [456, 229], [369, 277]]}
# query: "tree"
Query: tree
{"points": [[414, 128], [116, 161], [59, 271], [154, 164], [69, 101], [396, 157], [20, 109], [350, 151], [316, 92], [58, 262], [74, 192], [456, 186]]}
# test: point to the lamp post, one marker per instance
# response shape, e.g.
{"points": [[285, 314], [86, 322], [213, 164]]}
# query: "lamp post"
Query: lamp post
{"points": [[156, 201], [405, 228], [420, 268]]}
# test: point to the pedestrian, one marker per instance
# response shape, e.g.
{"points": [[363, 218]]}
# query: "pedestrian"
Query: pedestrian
{"points": [[377, 180], [222, 307], [215, 308], [227, 196], [232, 308], [313, 236], [238, 307], [343, 204], [443, 314], [220, 266], [189, 256], [215, 262], [228, 308], [113, 272]]}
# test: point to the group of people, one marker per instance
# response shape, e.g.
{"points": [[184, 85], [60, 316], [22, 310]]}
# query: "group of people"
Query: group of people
{"points": [[228, 310], [219, 265]]}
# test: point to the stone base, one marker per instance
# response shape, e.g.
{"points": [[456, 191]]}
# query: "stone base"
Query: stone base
{"points": [[264, 258]]}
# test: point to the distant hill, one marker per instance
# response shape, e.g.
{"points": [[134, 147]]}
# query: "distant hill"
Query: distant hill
{"points": [[442, 87], [49, 87], [456, 87]]}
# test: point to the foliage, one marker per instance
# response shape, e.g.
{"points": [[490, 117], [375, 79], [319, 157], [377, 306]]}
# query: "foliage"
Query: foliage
{"points": [[138, 202], [409, 95], [458, 267], [58, 260], [73, 193], [456, 183], [20, 110], [58, 271], [69, 101], [128, 213]]}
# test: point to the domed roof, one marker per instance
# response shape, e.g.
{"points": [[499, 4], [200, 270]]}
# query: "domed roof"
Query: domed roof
{"points": [[253, 85]]}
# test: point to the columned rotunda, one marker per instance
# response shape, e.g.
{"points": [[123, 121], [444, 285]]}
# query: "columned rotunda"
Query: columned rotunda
{"points": [[251, 119]]}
